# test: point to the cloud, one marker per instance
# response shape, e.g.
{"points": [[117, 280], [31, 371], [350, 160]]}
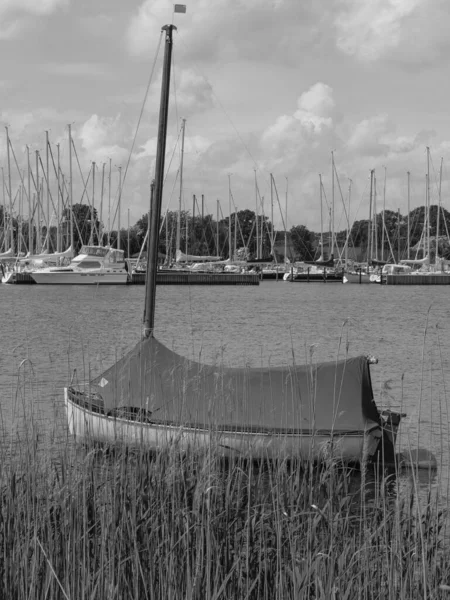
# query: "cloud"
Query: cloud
{"points": [[43, 7], [368, 136], [16, 15], [230, 29], [311, 126], [103, 137], [402, 31]]}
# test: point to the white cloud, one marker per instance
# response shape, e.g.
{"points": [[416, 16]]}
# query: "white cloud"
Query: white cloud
{"points": [[368, 136], [104, 137], [369, 30]]}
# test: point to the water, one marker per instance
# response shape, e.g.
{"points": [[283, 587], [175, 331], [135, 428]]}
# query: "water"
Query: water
{"points": [[50, 334]]}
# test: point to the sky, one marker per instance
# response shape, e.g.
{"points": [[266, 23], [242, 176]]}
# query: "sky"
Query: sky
{"points": [[267, 87]]}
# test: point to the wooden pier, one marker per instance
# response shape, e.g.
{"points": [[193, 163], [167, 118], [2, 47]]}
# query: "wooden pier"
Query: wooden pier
{"points": [[418, 279], [185, 278]]}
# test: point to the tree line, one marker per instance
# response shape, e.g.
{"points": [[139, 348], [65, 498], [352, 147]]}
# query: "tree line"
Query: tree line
{"points": [[243, 233]]}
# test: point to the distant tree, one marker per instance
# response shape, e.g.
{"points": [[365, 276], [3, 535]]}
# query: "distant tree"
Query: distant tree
{"points": [[302, 240]]}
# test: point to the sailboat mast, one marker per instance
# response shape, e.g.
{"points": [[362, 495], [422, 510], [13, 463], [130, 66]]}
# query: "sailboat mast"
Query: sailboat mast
{"points": [[109, 204], [38, 204], [91, 237], [409, 209], [229, 218], [256, 217], [72, 244], [153, 242], [321, 216], [332, 203], [375, 228], [100, 227], [119, 203], [438, 213], [382, 220], [428, 202], [30, 206], [11, 226], [58, 233], [180, 199], [217, 231], [285, 225], [47, 163], [348, 222], [272, 241], [369, 225]]}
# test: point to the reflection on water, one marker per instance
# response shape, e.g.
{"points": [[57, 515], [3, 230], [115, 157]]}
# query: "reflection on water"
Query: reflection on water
{"points": [[48, 332]]}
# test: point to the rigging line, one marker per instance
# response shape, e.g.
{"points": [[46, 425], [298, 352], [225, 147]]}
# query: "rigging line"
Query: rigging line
{"points": [[142, 108], [165, 179], [20, 174]]}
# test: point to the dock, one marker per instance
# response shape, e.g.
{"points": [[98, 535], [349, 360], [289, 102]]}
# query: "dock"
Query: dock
{"points": [[418, 279], [186, 278]]}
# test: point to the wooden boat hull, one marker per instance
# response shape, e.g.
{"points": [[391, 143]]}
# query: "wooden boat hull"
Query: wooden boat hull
{"points": [[91, 426]]}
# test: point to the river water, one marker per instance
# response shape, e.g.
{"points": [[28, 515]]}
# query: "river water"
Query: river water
{"points": [[50, 334]]}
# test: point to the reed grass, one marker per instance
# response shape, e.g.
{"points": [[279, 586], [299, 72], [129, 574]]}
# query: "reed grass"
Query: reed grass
{"points": [[112, 523]]}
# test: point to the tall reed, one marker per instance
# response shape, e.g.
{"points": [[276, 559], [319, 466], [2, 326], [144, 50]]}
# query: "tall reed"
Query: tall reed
{"points": [[114, 523]]}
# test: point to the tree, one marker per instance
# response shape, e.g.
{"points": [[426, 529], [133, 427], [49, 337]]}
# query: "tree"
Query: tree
{"points": [[302, 240]]}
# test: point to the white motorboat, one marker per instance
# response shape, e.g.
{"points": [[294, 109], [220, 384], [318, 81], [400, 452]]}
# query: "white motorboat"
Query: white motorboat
{"points": [[94, 265]]}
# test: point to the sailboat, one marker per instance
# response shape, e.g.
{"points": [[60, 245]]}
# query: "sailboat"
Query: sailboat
{"points": [[155, 398]]}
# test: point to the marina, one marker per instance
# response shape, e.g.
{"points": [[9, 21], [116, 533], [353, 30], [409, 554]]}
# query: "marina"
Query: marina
{"points": [[176, 419]]}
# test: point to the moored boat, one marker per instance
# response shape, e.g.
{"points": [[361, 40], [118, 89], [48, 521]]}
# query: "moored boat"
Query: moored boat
{"points": [[153, 397], [94, 265]]}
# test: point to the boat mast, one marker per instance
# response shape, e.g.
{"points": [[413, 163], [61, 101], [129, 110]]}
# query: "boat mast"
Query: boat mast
{"points": [[321, 216], [375, 228], [272, 241], [369, 225], [180, 199], [409, 198], [256, 216], [438, 214], [332, 203], [109, 204], [348, 222], [100, 227], [217, 229], [229, 218], [119, 207], [382, 221], [428, 202], [38, 204], [153, 241], [58, 234], [285, 225], [72, 245], [11, 226], [30, 206], [91, 236], [48, 191]]}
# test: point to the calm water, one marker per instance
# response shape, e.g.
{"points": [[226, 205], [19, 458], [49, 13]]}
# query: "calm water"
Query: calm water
{"points": [[48, 333]]}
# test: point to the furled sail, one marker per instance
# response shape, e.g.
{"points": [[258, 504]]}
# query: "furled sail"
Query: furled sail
{"points": [[181, 257]]}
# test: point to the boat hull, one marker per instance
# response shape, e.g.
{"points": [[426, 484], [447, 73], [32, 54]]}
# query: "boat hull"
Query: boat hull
{"points": [[91, 426], [75, 278]]}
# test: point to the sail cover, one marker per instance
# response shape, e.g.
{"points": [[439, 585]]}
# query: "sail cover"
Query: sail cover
{"points": [[335, 396]]}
